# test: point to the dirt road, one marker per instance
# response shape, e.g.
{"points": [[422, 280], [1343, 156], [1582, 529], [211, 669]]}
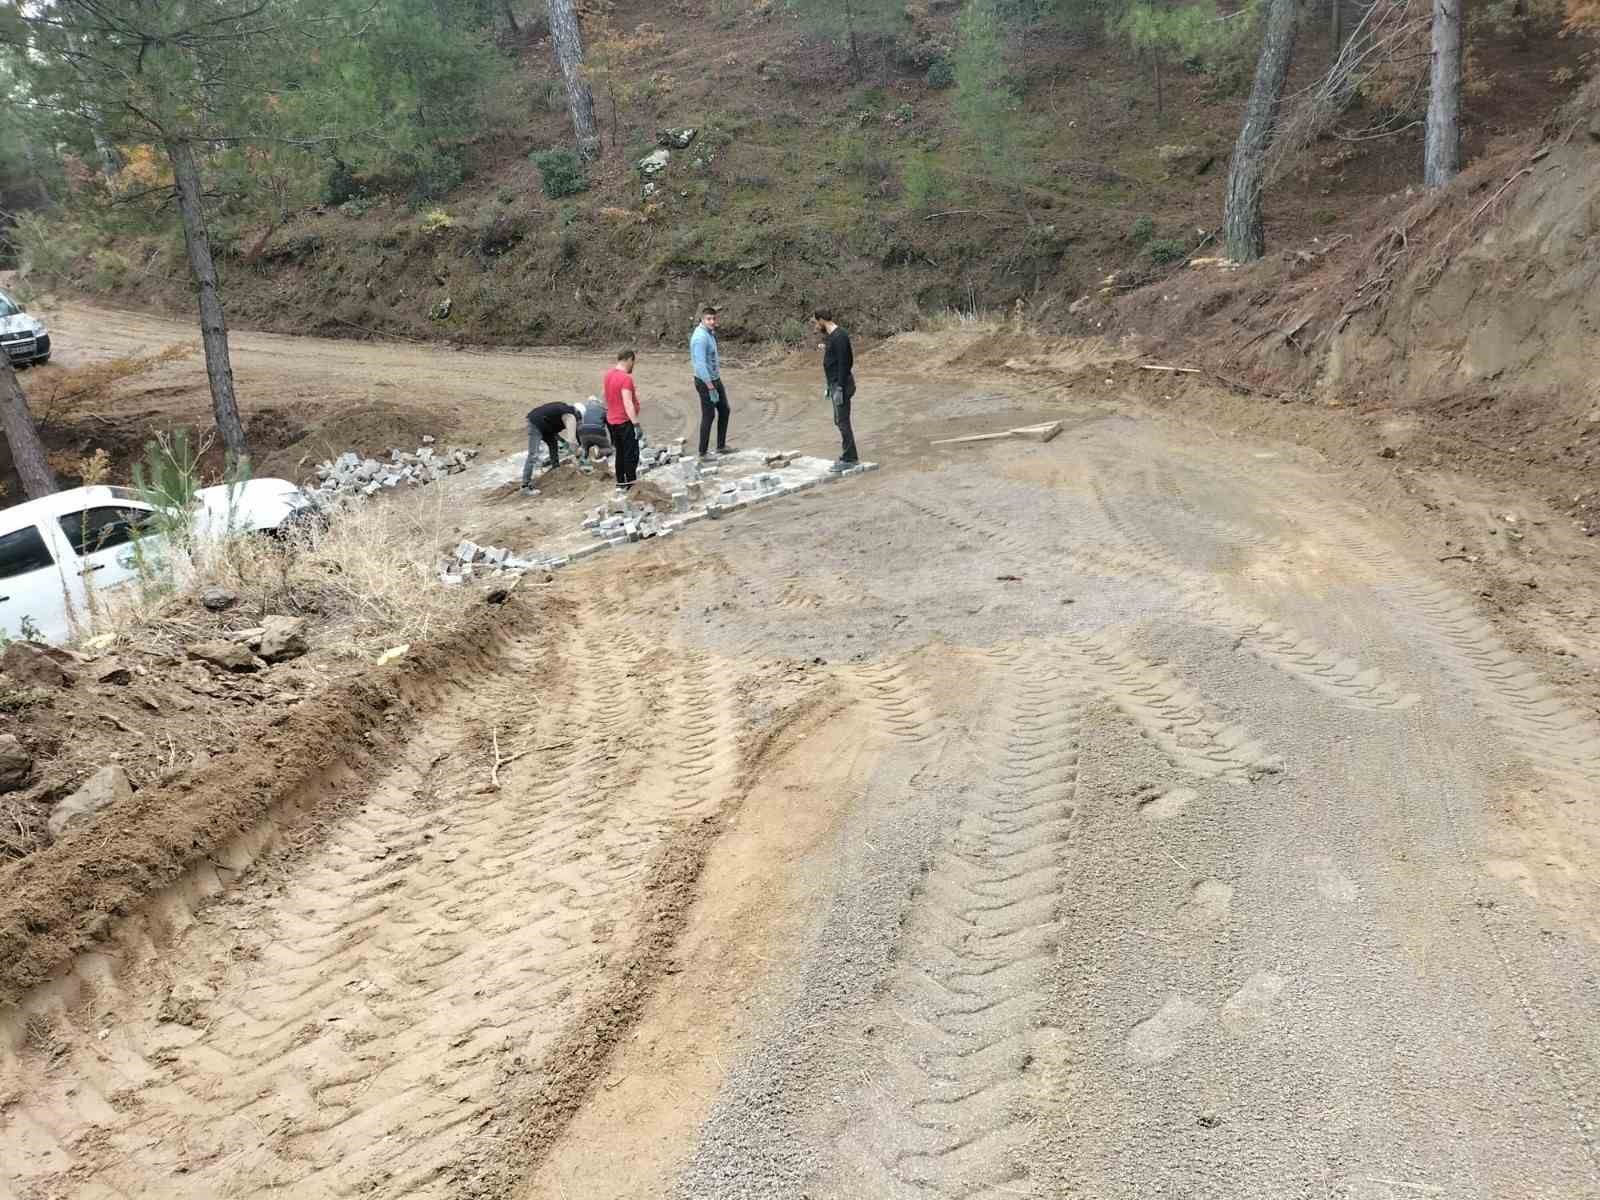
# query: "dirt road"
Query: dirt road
{"points": [[1125, 816]]}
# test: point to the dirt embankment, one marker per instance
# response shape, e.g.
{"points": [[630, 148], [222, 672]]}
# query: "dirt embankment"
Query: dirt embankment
{"points": [[291, 756]]}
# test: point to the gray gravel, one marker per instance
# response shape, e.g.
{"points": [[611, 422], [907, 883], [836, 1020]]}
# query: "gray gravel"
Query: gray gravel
{"points": [[1284, 954]]}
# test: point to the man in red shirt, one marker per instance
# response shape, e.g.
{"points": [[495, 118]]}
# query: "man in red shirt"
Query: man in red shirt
{"points": [[622, 418]]}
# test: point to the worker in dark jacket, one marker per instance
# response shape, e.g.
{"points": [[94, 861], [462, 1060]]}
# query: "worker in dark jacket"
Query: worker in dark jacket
{"points": [[546, 424], [838, 369], [592, 433]]}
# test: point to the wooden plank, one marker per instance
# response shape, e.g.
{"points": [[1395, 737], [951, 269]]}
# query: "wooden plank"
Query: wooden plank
{"points": [[977, 437], [1039, 433]]}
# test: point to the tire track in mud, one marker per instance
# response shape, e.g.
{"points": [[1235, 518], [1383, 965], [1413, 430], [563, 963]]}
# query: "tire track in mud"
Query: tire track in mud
{"points": [[1558, 741], [349, 1029], [960, 1031], [1341, 680], [900, 706]]}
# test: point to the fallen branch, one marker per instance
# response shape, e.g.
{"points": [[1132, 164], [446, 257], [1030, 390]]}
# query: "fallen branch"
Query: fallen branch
{"points": [[1159, 367], [494, 771]]}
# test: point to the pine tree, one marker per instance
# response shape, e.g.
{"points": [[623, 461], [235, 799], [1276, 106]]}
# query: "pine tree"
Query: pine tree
{"points": [[181, 75], [22, 435], [1243, 213], [569, 57], [1442, 140], [985, 103], [1174, 34], [846, 23]]}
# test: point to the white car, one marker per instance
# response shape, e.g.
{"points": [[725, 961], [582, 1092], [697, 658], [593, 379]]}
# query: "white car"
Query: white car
{"points": [[53, 550], [25, 339]]}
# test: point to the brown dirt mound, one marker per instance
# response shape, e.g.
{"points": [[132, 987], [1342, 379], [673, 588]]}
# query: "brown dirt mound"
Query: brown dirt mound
{"points": [[55, 903]]}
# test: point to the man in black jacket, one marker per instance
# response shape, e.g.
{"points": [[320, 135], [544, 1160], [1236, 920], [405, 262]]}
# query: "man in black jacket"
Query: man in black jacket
{"points": [[838, 365], [546, 423]]}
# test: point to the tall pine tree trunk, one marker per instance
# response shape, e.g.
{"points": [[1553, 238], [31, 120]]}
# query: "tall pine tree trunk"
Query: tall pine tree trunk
{"points": [[22, 435], [213, 324], [569, 56], [1441, 156], [1243, 223], [1336, 27]]}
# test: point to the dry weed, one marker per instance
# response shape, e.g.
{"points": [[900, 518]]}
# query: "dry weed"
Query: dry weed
{"points": [[368, 580], [86, 385]]}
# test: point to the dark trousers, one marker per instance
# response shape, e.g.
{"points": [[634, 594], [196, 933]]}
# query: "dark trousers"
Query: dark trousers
{"points": [[552, 443], [841, 398], [710, 409], [625, 441]]}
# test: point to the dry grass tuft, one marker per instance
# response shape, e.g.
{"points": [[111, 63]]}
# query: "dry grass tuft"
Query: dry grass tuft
{"points": [[368, 581]]}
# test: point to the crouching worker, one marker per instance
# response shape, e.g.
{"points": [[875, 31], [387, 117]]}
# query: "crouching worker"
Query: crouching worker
{"points": [[592, 433], [546, 424]]}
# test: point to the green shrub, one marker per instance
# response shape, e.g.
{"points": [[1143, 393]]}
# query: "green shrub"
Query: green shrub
{"points": [[339, 185], [1143, 230], [792, 331], [1164, 251], [940, 74], [48, 247], [926, 185], [434, 177], [560, 172]]}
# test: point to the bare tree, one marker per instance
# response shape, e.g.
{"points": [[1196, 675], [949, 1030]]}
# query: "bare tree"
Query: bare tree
{"points": [[170, 75], [1441, 157], [569, 56], [213, 323], [1243, 223], [22, 435]]}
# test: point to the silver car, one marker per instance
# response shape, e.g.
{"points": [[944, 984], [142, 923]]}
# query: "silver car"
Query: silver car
{"points": [[25, 339]]}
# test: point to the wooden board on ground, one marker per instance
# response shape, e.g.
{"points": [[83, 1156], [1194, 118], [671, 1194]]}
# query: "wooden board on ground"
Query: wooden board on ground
{"points": [[1036, 433]]}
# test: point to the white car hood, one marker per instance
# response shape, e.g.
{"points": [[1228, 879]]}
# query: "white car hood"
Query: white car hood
{"points": [[254, 504], [21, 323]]}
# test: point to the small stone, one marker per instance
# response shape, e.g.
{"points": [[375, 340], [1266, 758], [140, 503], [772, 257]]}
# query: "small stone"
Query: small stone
{"points": [[36, 665], [1388, 452], [106, 786], [112, 671], [218, 599], [224, 655], [15, 763], [283, 638]]}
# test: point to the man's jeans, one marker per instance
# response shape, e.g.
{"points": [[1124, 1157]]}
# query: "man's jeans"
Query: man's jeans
{"points": [[712, 409], [551, 442], [841, 418]]}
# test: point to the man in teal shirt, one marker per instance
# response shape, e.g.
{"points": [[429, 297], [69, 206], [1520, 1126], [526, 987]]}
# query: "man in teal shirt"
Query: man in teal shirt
{"points": [[707, 364]]}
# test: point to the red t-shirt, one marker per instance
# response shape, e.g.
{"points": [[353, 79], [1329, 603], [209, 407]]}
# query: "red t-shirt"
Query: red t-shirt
{"points": [[616, 380]]}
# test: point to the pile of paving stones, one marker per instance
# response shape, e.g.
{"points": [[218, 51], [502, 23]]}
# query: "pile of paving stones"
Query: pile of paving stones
{"points": [[621, 520], [472, 561], [350, 475]]}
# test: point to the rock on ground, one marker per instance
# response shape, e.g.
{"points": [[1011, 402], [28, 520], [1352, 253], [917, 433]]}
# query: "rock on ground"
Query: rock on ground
{"points": [[283, 638], [228, 656], [36, 665], [106, 786], [15, 763]]}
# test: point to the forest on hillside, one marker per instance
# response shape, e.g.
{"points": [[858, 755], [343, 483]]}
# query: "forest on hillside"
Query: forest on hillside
{"points": [[224, 130]]}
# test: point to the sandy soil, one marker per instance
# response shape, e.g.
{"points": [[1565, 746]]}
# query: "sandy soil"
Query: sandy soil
{"points": [[1136, 814]]}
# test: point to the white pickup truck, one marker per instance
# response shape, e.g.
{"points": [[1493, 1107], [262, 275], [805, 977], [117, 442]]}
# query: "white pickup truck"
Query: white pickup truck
{"points": [[55, 549], [24, 339]]}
